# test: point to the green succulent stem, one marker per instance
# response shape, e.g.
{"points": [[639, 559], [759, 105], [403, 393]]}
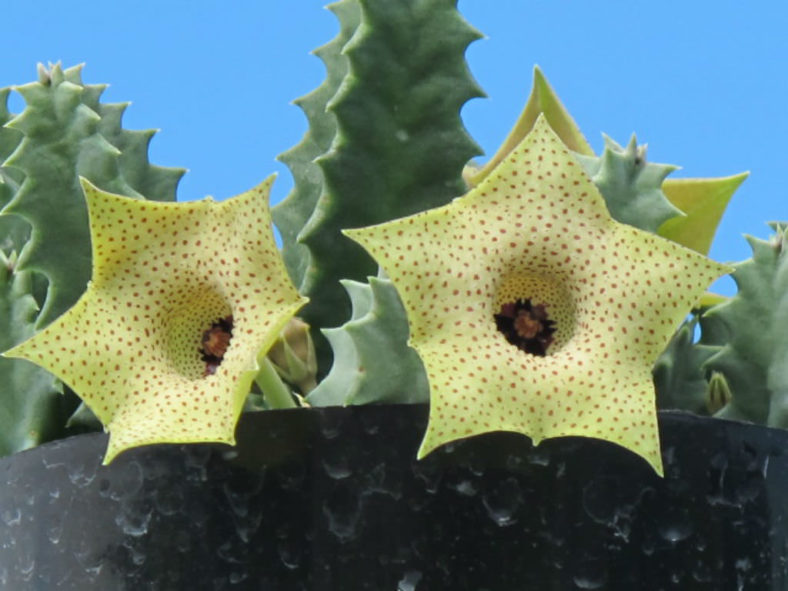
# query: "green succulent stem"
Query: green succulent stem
{"points": [[397, 142], [274, 390]]}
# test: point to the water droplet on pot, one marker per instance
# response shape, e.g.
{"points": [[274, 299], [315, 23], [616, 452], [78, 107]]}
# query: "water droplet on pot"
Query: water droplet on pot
{"points": [[584, 582], [137, 555], [649, 546], [103, 487], [26, 569], [539, 456], [342, 510], [11, 517], [134, 522], [336, 465], [379, 480], [503, 502], [240, 492], [183, 542], [675, 531], [589, 574], [54, 533], [429, 474], [702, 573], [290, 476], [125, 483], [614, 503], [743, 564], [289, 553], [465, 487], [370, 424], [247, 526], [331, 425], [49, 464], [168, 500], [80, 474], [409, 581], [240, 489], [514, 462], [232, 551], [229, 455], [196, 458]]}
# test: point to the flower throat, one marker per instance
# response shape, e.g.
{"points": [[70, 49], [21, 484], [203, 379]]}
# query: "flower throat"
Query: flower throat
{"points": [[526, 326], [214, 344]]}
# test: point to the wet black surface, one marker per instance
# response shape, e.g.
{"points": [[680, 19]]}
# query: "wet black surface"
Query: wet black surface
{"points": [[334, 499]]}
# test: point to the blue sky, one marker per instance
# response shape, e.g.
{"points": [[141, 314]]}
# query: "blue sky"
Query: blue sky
{"points": [[703, 83]]}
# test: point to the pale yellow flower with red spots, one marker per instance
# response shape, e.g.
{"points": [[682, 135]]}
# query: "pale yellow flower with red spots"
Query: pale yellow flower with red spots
{"points": [[536, 232], [169, 280]]}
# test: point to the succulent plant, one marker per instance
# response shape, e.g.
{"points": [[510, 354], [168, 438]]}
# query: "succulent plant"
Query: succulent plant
{"points": [[545, 292]]}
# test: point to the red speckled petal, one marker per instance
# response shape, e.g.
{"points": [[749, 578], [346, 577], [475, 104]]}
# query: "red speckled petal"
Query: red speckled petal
{"points": [[162, 274], [537, 228]]}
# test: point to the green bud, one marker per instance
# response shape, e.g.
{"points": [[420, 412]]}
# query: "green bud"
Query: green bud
{"points": [[718, 392], [293, 356]]}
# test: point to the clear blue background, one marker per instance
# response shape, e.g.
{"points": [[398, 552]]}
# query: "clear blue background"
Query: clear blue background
{"points": [[703, 83]]}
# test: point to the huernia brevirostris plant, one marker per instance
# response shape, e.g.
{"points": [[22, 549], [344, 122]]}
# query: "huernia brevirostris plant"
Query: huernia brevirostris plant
{"points": [[535, 293]]}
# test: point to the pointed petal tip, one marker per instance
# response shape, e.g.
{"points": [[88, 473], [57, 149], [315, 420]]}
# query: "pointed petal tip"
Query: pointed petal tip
{"points": [[87, 185], [425, 448], [656, 465]]}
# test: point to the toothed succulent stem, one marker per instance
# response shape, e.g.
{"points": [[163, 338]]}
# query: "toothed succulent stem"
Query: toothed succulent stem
{"points": [[65, 137], [631, 186], [292, 214], [400, 145]]}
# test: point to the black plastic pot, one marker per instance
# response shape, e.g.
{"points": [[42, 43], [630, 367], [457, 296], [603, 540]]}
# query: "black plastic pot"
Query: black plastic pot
{"points": [[334, 499]]}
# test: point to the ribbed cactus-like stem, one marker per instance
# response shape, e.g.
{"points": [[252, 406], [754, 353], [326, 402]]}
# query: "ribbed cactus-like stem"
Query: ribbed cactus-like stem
{"points": [[400, 145], [31, 405], [631, 186], [292, 214], [14, 231], [63, 139]]}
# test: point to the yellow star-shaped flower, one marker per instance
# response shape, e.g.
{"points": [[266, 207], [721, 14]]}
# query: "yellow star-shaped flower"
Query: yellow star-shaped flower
{"points": [[532, 309], [184, 297]]}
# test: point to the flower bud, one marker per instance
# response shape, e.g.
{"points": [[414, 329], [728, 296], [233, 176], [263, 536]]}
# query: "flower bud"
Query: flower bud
{"points": [[293, 356], [718, 392]]}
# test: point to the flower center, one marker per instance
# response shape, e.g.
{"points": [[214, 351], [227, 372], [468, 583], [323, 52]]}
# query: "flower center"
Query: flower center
{"points": [[534, 311], [197, 329], [215, 341], [526, 326]]}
